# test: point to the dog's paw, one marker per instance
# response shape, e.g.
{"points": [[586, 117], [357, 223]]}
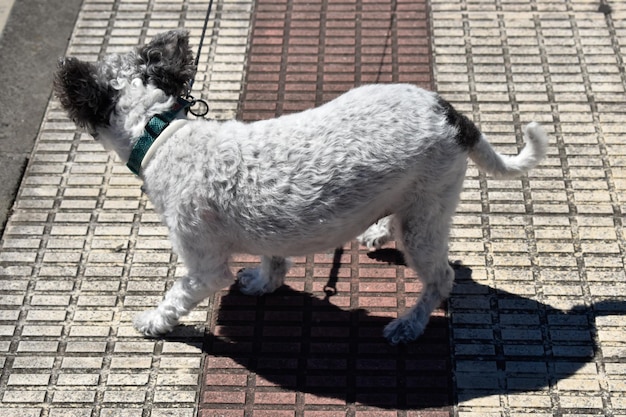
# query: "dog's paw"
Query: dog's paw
{"points": [[403, 330], [250, 282], [375, 236], [152, 323], [372, 243]]}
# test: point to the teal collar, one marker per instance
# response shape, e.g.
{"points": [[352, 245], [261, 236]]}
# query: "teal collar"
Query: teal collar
{"points": [[155, 126]]}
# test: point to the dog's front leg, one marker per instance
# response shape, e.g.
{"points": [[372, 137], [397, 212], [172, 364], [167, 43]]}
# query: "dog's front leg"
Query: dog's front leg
{"points": [[264, 279], [184, 295]]}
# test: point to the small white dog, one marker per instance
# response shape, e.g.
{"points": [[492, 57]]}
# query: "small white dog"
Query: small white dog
{"points": [[391, 156]]}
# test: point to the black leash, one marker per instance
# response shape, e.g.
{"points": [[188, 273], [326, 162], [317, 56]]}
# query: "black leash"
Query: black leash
{"points": [[199, 107], [331, 286]]}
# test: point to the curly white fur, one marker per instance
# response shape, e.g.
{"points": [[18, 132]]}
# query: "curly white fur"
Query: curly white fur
{"points": [[308, 182]]}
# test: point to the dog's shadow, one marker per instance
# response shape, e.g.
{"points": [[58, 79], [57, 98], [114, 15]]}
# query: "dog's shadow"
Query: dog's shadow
{"points": [[301, 343]]}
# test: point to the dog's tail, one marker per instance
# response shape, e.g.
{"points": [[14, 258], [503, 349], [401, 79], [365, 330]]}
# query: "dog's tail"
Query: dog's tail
{"points": [[503, 166]]}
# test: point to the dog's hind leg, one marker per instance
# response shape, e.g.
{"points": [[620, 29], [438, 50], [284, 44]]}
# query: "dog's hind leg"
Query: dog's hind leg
{"points": [[264, 279], [184, 295], [425, 245], [377, 234]]}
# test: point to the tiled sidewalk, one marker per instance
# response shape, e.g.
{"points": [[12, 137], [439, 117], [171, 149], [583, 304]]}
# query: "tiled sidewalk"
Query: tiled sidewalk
{"points": [[299, 352], [534, 331], [535, 325], [84, 252]]}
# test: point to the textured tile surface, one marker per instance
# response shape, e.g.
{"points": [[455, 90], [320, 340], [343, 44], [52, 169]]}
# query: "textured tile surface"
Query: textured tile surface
{"points": [[84, 250], [304, 351], [547, 251], [536, 322]]}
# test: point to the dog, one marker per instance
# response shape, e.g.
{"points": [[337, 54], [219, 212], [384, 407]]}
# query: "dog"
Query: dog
{"points": [[380, 162]]}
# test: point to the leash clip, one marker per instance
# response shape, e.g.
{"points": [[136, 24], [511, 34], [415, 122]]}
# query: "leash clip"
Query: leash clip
{"points": [[198, 107]]}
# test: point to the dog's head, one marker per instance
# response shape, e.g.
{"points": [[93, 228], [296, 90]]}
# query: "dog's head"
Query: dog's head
{"points": [[113, 99]]}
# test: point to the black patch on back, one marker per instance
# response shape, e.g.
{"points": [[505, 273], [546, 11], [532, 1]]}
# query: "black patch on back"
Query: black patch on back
{"points": [[467, 133]]}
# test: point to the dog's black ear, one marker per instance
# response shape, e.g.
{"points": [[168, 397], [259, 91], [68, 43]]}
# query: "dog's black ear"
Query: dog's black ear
{"points": [[87, 101], [167, 62]]}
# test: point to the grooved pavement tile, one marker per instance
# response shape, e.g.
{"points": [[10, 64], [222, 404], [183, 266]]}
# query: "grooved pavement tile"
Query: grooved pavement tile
{"points": [[536, 326], [84, 251], [537, 316], [304, 350]]}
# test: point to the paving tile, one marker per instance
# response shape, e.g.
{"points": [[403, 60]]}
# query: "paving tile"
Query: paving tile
{"points": [[537, 315], [536, 63], [73, 242], [297, 61]]}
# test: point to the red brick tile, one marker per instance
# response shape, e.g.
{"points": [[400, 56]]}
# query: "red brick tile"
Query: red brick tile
{"points": [[277, 363], [296, 286], [267, 32], [380, 399], [264, 397], [267, 41], [271, 16], [330, 332], [376, 381], [265, 52], [287, 331], [296, 271], [222, 363], [378, 287], [377, 413], [213, 379], [276, 381], [314, 344], [433, 413], [224, 397], [294, 107], [239, 300], [245, 258], [208, 411], [259, 105], [302, 77], [300, 87], [372, 302], [329, 317], [304, 43], [263, 95], [268, 23], [273, 413], [317, 413], [326, 381], [309, 33], [263, 75], [340, 301], [304, 98], [315, 5], [344, 272], [281, 347], [298, 68], [413, 286], [366, 272], [250, 116], [320, 400], [233, 331], [340, 286], [301, 53], [315, 364]]}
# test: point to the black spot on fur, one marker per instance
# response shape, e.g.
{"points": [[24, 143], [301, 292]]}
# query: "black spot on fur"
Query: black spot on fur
{"points": [[167, 62], [87, 101], [467, 133]]}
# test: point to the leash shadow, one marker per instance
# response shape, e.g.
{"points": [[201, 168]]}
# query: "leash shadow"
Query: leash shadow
{"points": [[298, 342]]}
